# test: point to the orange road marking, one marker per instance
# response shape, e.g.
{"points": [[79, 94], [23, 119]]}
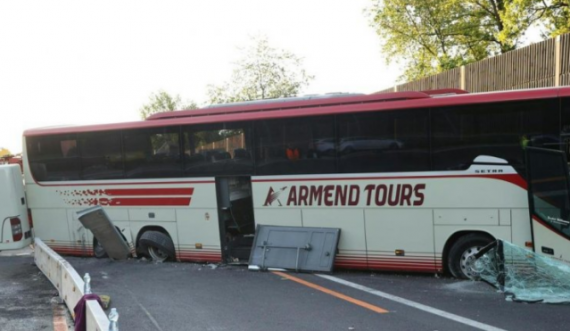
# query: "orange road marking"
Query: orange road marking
{"points": [[333, 293], [59, 321]]}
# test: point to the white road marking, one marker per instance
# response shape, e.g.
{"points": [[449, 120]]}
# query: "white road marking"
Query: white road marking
{"points": [[147, 313], [413, 304]]}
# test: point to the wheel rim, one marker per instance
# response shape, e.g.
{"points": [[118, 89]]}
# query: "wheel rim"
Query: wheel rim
{"points": [[99, 250], [156, 254], [467, 260]]}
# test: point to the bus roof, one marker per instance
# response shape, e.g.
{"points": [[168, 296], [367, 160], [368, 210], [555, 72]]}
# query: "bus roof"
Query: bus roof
{"points": [[313, 107], [289, 103]]}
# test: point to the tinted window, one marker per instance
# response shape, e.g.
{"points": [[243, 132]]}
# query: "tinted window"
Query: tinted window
{"points": [[565, 126], [54, 158], [548, 172], [295, 146], [152, 153], [217, 149], [460, 134], [384, 141], [101, 156]]}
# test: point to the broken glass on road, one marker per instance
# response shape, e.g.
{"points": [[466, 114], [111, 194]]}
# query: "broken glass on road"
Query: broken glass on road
{"points": [[523, 275]]}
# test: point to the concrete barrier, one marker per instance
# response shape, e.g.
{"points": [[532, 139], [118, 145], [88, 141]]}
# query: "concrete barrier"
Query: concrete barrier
{"points": [[96, 318], [68, 284]]}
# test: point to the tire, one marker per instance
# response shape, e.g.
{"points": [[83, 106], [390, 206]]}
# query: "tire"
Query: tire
{"points": [[460, 254], [98, 250], [157, 245]]}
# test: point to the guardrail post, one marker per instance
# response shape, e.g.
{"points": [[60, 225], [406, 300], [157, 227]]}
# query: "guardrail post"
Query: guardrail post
{"points": [[114, 320], [87, 281]]}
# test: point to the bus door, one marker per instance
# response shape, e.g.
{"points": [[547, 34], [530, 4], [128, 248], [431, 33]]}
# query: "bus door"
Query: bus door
{"points": [[549, 201], [236, 217]]}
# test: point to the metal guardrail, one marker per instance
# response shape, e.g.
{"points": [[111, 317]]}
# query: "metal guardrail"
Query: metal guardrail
{"points": [[71, 287]]}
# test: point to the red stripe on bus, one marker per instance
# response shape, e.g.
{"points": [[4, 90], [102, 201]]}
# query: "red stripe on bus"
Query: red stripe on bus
{"points": [[47, 184], [511, 178], [403, 268], [150, 202], [150, 191]]}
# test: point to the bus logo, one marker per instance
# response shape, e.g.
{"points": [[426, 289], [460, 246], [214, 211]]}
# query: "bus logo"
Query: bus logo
{"points": [[349, 195], [274, 196]]}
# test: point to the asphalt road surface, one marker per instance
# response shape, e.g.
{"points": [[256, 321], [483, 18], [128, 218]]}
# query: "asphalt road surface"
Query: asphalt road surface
{"points": [[25, 295], [185, 296]]}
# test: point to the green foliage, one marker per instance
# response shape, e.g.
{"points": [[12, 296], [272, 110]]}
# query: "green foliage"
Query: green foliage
{"points": [[438, 35], [162, 102], [5, 152], [263, 72], [554, 15]]}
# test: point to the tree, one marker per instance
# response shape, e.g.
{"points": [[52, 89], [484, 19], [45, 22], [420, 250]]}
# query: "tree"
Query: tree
{"points": [[4, 152], [438, 35], [553, 15], [163, 102], [263, 72]]}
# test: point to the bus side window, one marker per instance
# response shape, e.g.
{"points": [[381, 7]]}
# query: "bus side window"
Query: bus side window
{"points": [[384, 141], [152, 153], [101, 155], [461, 133], [217, 149], [54, 158], [297, 146], [565, 126]]}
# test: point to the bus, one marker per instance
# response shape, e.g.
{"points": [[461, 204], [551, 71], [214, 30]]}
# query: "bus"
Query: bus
{"points": [[416, 181], [15, 230]]}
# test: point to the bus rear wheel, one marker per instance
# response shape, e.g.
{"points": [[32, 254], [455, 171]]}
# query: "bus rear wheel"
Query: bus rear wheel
{"points": [[462, 253], [157, 245], [98, 249]]}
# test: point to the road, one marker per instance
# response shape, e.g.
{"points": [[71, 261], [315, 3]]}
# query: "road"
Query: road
{"points": [[185, 296], [25, 294]]}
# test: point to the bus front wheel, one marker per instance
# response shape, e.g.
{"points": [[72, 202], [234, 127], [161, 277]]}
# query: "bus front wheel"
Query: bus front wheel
{"points": [[462, 253], [157, 245], [98, 249]]}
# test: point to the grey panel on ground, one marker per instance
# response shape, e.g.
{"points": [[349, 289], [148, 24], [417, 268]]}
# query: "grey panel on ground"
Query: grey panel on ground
{"points": [[296, 248], [96, 220]]}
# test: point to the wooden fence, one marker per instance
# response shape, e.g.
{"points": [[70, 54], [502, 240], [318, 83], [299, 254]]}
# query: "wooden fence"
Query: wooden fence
{"points": [[543, 64]]}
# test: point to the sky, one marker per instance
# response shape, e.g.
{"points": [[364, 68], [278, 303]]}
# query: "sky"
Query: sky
{"points": [[91, 62]]}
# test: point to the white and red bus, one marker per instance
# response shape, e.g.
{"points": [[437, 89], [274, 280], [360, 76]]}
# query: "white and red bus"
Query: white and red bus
{"points": [[416, 181], [15, 229]]}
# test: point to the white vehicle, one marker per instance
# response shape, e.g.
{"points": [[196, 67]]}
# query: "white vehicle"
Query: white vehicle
{"points": [[358, 144], [455, 182], [15, 230]]}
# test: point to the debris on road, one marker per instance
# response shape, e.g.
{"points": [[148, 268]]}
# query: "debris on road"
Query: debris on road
{"points": [[96, 220], [522, 275], [294, 248]]}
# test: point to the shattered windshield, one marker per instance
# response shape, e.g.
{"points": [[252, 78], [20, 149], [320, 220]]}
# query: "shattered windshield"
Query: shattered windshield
{"points": [[523, 275]]}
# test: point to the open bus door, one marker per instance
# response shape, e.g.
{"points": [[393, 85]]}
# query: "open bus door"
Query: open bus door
{"points": [[549, 201], [236, 217]]}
